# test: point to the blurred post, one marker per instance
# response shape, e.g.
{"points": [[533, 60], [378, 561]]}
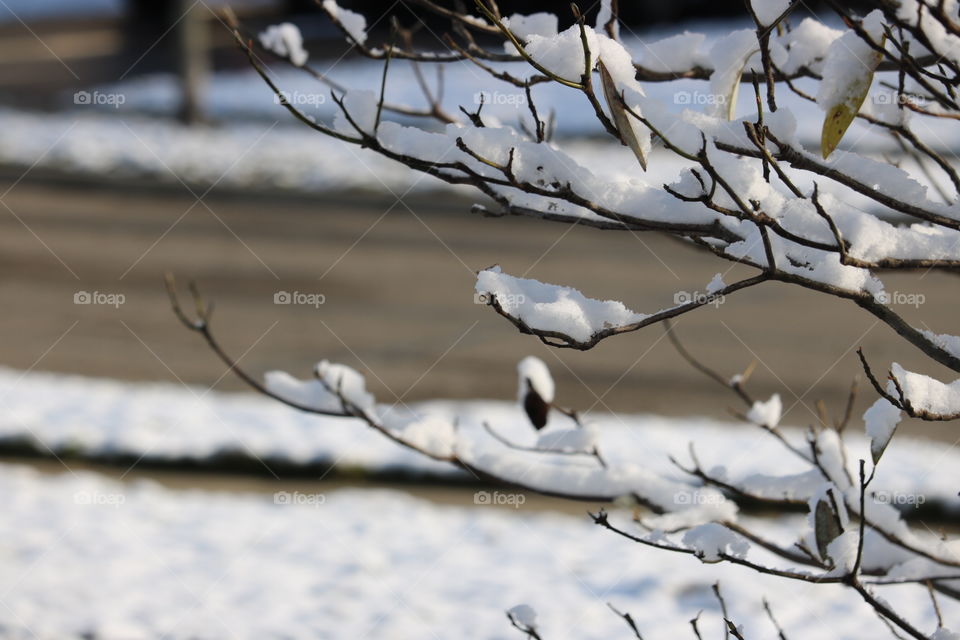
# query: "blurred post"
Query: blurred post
{"points": [[193, 58]]}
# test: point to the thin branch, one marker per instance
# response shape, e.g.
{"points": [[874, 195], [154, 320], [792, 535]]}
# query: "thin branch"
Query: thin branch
{"points": [[736, 387], [780, 632], [723, 608], [629, 620]]}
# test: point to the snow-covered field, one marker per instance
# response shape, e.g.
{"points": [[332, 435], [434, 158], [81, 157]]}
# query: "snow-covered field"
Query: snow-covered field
{"points": [[162, 421], [125, 130], [83, 556], [247, 154], [86, 556]]}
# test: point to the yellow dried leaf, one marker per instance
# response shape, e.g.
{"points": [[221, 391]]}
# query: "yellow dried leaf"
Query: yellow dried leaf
{"points": [[841, 116], [838, 120]]}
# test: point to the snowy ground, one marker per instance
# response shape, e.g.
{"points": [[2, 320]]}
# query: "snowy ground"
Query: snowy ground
{"points": [[84, 556], [248, 154], [124, 130], [280, 155], [88, 556], [170, 422]]}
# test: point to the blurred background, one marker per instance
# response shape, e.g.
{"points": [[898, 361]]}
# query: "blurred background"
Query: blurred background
{"points": [[135, 141], [139, 126]]}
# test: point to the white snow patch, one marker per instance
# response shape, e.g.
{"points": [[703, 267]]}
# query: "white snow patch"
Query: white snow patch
{"points": [[881, 420], [766, 413], [354, 23], [534, 371], [543, 24], [768, 11], [712, 539], [524, 615], [548, 307], [574, 440], [675, 53], [925, 393], [167, 422], [716, 284], [285, 40], [849, 64], [307, 393], [345, 382], [85, 556]]}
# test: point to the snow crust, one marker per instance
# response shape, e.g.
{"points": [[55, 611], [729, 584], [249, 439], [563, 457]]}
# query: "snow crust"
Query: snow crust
{"points": [[550, 307], [713, 539], [345, 382], [769, 10], [88, 556], [285, 40], [308, 393], [542, 24], [575, 440], [675, 53], [881, 420], [767, 412], [716, 284], [944, 42], [849, 63], [165, 422], [525, 615], [324, 390], [926, 393], [354, 23], [534, 371]]}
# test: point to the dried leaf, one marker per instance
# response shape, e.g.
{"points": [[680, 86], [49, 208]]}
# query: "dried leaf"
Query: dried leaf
{"points": [[731, 92], [624, 121], [536, 407], [881, 421], [826, 527], [841, 116]]}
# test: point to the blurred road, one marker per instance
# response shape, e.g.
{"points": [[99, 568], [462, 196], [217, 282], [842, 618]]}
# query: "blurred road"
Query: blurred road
{"points": [[397, 281]]}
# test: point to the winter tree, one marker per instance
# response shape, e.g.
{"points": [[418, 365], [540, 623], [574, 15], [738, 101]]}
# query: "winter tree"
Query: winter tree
{"points": [[832, 219]]}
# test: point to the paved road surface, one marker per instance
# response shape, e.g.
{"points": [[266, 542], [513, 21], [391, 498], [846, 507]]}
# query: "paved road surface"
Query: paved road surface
{"points": [[397, 281]]}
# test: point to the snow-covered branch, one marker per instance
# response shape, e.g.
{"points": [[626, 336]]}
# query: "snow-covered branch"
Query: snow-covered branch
{"points": [[850, 540], [726, 202], [748, 188]]}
